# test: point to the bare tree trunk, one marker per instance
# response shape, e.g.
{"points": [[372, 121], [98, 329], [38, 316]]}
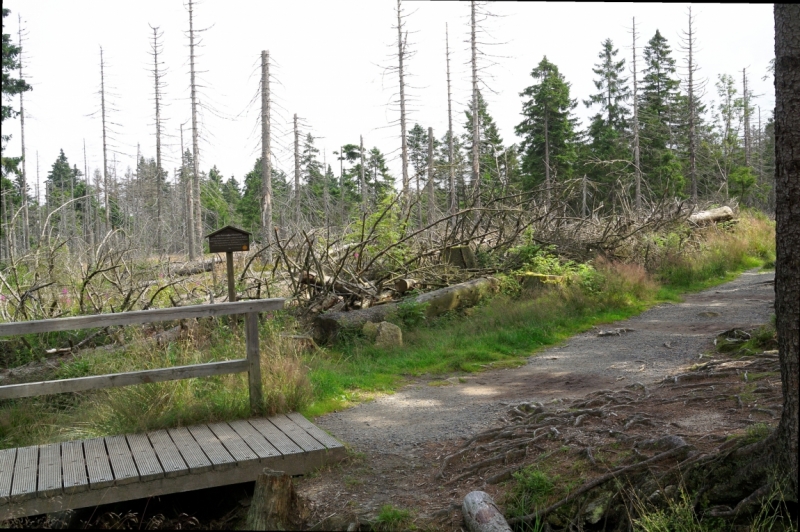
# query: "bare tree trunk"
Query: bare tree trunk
{"points": [[159, 171], [189, 202], [198, 219], [636, 167], [401, 45], [692, 112], [547, 160], [296, 173], [24, 176], [476, 132], [746, 101], [105, 154], [787, 264], [362, 180], [266, 163], [453, 203], [431, 189]]}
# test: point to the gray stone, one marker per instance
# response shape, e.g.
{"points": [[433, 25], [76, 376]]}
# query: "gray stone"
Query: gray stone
{"points": [[370, 331], [388, 335]]}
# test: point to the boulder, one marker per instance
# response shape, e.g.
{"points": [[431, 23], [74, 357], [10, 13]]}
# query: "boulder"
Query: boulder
{"points": [[370, 331], [388, 335]]}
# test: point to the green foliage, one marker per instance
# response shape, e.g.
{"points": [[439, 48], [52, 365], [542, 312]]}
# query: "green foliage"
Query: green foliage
{"points": [[678, 516], [530, 491], [411, 313], [548, 129], [391, 519], [10, 87]]}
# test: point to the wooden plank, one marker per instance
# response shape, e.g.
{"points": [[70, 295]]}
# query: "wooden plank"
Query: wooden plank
{"points": [[168, 454], [24, 483], [145, 457], [278, 439], [49, 470], [96, 382], [220, 458], [298, 435], [235, 445], [140, 316], [73, 467], [7, 458], [121, 460], [100, 475], [253, 363], [320, 435], [254, 439], [192, 454]]}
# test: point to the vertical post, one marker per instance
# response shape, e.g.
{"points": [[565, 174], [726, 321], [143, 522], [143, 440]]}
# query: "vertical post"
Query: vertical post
{"points": [[231, 285], [253, 362]]}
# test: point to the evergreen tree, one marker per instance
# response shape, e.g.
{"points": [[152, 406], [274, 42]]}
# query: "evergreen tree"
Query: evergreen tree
{"points": [[548, 129], [659, 119], [10, 87], [491, 150]]}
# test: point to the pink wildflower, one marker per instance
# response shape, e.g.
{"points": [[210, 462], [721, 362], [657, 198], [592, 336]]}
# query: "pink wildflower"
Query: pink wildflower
{"points": [[64, 291]]}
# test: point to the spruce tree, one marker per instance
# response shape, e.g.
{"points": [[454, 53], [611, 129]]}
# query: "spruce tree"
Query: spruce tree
{"points": [[548, 129]]}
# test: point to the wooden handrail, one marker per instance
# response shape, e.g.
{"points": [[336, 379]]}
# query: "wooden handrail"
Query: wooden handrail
{"points": [[136, 317], [251, 364]]}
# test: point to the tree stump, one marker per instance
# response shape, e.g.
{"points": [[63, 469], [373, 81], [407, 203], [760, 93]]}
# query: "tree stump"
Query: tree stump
{"points": [[273, 500], [461, 256], [481, 513]]}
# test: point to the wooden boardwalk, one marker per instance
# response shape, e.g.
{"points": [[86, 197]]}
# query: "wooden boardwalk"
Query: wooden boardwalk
{"points": [[77, 474]]}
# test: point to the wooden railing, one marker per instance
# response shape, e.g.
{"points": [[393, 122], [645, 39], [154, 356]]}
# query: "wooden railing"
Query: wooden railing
{"points": [[251, 364]]}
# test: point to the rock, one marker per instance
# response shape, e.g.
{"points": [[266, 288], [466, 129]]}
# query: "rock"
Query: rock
{"points": [[388, 335], [370, 331], [530, 280]]}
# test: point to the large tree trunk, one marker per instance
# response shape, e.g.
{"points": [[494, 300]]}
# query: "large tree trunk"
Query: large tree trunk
{"points": [[787, 196], [481, 513], [328, 325]]}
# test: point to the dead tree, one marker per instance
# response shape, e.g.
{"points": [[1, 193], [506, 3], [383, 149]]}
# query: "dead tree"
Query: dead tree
{"points": [[691, 67], [296, 173], [158, 85], [636, 167], [189, 202], [401, 55], [197, 217], [361, 178], [453, 200], [266, 166], [105, 153], [746, 115], [431, 188], [24, 195], [476, 132], [88, 225]]}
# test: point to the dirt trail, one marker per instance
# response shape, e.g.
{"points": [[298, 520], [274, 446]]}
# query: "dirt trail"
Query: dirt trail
{"points": [[658, 343]]}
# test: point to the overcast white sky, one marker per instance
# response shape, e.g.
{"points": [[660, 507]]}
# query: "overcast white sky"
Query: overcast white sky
{"points": [[329, 66]]}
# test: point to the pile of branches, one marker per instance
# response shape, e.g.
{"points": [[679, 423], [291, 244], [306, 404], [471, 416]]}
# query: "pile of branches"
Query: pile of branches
{"points": [[659, 455]]}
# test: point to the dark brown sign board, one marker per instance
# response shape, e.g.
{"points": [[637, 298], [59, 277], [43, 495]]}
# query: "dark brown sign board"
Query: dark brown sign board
{"points": [[228, 239]]}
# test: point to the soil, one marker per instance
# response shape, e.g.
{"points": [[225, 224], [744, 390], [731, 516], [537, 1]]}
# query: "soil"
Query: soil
{"points": [[397, 443]]}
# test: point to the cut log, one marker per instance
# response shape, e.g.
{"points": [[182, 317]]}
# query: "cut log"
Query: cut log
{"points": [[272, 501], [328, 325], [481, 513], [721, 214], [404, 285]]}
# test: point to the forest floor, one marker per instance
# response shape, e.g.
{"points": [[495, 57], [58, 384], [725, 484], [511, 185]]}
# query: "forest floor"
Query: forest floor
{"points": [[397, 443]]}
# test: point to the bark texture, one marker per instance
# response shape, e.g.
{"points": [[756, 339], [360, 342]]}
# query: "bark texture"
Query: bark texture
{"points": [[787, 196], [481, 514], [273, 499]]}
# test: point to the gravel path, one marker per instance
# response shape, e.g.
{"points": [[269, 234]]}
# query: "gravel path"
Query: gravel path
{"points": [[657, 343]]}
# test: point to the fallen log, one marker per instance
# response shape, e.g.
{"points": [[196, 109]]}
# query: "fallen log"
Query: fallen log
{"points": [[721, 214], [481, 513], [193, 269], [326, 326]]}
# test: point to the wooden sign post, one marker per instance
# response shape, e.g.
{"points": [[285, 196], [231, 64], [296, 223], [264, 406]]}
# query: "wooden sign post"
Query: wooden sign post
{"points": [[229, 239]]}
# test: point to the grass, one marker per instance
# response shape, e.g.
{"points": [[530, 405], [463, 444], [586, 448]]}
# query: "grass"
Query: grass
{"points": [[390, 519], [502, 332]]}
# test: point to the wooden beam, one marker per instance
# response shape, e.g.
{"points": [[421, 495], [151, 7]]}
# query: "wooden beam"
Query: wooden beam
{"points": [[80, 384], [140, 316], [253, 363]]}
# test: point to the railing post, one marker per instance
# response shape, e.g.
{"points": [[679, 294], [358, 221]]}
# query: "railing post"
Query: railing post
{"points": [[253, 362]]}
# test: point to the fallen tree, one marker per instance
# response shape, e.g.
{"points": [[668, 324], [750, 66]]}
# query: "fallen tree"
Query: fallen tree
{"points": [[326, 326], [720, 214]]}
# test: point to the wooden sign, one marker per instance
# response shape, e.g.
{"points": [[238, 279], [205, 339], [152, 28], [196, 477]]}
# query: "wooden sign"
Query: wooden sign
{"points": [[228, 239]]}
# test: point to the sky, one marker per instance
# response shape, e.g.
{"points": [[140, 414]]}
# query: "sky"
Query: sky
{"points": [[331, 64]]}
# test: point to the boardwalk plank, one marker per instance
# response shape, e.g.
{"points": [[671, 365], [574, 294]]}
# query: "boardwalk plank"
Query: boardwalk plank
{"points": [[168, 454], [100, 475], [73, 467], [220, 458], [320, 435], [24, 485], [145, 457], [192, 454], [121, 460], [234, 443], [298, 435], [49, 470], [278, 439], [7, 458], [254, 439]]}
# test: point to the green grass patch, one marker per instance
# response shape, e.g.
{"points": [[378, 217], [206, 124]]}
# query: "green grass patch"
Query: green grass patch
{"points": [[391, 519]]}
